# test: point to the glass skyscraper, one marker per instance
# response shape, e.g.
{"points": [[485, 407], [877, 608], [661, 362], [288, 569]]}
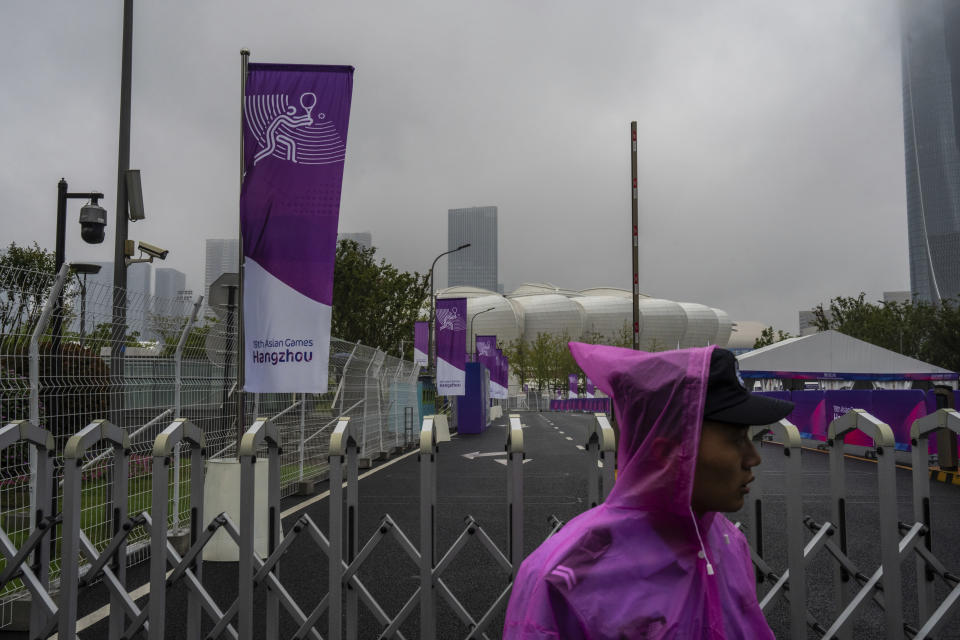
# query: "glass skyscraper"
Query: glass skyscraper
{"points": [[930, 50], [475, 266]]}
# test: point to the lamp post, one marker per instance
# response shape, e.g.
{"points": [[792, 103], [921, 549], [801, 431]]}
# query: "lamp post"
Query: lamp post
{"points": [[473, 338], [431, 360], [83, 269]]}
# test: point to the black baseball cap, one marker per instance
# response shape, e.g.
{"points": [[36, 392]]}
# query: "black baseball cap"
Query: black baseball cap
{"points": [[728, 399]]}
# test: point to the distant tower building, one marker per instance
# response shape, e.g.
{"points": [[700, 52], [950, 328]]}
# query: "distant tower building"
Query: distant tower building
{"points": [[166, 284], [362, 238], [475, 266], [221, 258], [930, 56], [138, 297]]}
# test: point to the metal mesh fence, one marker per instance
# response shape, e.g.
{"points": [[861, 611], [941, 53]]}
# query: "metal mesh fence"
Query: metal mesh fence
{"points": [[55, 369]]}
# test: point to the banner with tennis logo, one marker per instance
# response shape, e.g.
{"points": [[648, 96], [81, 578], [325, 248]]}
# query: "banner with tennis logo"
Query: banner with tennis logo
{"points": [[295, 120], [451, 330]]}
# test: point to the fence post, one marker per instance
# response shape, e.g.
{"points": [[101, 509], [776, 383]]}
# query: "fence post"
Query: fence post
{"points": [[303, 421], [73, 453], [263, 431], [178, 405], [427, 461], [343, 448], [882, 435], [920, 432], [36, 438], [515, 456], [38, 331], [167, 441]]}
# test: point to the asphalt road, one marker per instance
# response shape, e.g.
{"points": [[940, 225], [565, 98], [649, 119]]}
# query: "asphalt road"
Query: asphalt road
{"points": [[555, 484]]}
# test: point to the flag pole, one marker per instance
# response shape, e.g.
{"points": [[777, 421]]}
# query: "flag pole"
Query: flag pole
{"points": [[241, 361]]}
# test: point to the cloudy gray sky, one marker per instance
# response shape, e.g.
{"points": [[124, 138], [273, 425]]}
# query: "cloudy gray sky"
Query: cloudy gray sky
{"points": [[770, 134]]}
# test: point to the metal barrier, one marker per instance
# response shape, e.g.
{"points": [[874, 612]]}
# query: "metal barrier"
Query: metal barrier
{"points": [[897, 540]]}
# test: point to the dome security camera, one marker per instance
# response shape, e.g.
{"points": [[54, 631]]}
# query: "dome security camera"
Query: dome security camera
{"points": [[93, 220]]}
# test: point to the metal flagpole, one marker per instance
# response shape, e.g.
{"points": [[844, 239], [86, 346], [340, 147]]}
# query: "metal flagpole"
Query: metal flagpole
{"points": [[241, 378], [636, 257]]}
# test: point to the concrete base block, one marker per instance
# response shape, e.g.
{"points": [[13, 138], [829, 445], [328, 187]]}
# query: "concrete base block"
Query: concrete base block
{"points": [[180, 540], [306, 487], [364, 463], [394, 451], [222, 495]]}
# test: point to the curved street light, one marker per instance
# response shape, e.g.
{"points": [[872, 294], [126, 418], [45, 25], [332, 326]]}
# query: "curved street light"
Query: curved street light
{"points": [[473, 338], [431, 359]]}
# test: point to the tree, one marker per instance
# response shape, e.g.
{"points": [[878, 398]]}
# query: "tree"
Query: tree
{"points": [[26, 276], [518, 352], [768, 337], [375, 303]]}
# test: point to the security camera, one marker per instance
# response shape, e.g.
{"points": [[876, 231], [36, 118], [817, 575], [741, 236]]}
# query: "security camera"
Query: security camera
{"points": [[153, 251], [93, 220]]}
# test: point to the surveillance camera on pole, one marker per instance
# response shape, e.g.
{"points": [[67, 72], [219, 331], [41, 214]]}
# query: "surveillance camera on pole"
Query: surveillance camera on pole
{"points": [[151, 250], [93, 222]]}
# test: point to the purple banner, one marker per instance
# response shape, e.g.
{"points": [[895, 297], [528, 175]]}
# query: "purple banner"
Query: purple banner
{"points": [[421, 338], [486, 350], [451, 346], [573, 384], [295, 120], [503, 368], [589, 388]]}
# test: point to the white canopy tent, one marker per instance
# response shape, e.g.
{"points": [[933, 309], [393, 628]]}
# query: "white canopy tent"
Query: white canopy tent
{"points": [[837, 361]]}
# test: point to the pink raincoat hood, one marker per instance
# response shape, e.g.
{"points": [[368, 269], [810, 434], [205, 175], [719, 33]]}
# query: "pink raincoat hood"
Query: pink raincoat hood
{"points": [[642, 565]]}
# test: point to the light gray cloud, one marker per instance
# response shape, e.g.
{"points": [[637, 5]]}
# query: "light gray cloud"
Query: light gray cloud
{"points": [[771, 142]]}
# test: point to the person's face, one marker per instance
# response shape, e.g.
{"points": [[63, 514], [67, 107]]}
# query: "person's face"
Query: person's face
{"points": [[724, 462]]}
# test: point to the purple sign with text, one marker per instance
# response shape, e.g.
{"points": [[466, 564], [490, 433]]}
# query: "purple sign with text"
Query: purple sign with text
{"points": [[451, 346], [573, 384], [421, 336], [589, 389], [295, 120], [503, 374]]}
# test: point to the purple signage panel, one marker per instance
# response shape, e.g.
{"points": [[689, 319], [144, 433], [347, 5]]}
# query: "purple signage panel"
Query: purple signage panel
{"points": [[451, 346], [809, 414], [573, 384], [841, 402], [421, 338], [295, 120], [589, 388], [505, 375]]}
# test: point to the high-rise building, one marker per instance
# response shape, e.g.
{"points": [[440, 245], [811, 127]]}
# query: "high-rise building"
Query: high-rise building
{"points": [[138, 298], [221, 258], [475, 266], [167, 282], [930, 56], [362, 238]]}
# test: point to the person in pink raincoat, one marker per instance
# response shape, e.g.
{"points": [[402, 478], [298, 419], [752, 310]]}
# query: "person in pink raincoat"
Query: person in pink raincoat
{"points": [[657, 559]]}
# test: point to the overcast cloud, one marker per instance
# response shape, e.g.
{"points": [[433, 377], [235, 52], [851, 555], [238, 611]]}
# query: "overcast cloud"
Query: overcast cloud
{"points": [[770, 134]]}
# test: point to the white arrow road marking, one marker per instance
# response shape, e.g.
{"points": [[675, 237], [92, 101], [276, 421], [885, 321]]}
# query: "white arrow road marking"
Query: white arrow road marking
{"points": [[504, 462], [581, 447], [477, 454], [569, 438]]}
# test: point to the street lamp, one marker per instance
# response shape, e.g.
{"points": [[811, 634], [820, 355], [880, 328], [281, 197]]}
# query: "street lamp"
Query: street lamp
{"points": [[83, 269], [473, 344], [431, 360]]}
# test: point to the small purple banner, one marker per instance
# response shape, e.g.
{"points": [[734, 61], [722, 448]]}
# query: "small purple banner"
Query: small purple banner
{"points": [[451, 346], [295, 120], [589, 388], [486, 349], [502, 375], [421, 338], [573, 384]]}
